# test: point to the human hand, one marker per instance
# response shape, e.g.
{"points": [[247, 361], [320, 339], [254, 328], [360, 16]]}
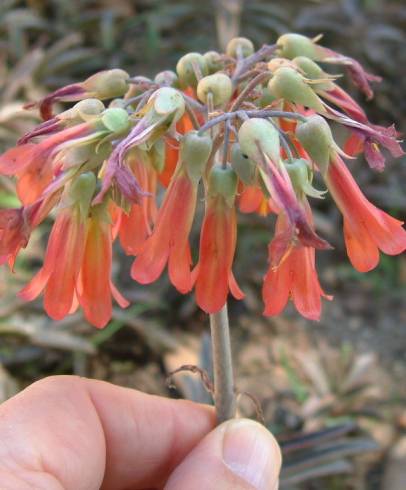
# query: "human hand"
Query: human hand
{"points": [[72, 433]]}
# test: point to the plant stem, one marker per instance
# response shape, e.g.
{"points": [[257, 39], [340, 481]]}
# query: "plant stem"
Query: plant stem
{"points": [[224, 394]]}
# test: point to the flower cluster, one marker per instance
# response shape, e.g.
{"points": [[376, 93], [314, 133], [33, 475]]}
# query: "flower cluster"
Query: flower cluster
{"points": [[243, 130]]}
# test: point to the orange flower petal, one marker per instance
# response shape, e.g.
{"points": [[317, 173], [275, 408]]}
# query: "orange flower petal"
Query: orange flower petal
{"points": [[95, 290], [217, 247]]}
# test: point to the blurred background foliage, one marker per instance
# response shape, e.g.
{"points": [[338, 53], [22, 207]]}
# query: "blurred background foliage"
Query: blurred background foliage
{"points": [[342, 380]]}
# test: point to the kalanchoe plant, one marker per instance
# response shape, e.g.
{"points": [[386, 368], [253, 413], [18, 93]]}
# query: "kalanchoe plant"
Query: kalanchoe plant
{"points": [[250, 129]]}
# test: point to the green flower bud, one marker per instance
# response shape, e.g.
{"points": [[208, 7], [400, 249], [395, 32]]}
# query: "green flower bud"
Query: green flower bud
{"points": [[257, 131], [301, 177], [167, 101], [167, 77], [266, 98], [186, 71], [243, 166], [223, 182], [117, 104], [219, 85], [157, 155], [194, 153], [316, 137], [292, 45], [108, 84], [81, 192], [240, 46], [313, 71], [290, 85], [78, 155], [115, 120], [214, 61], [88, 109]]}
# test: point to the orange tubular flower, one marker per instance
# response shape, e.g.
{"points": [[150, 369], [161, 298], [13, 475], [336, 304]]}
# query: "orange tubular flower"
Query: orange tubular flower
{"points": [[213, 273], [95, 288], [169, 241], [58, 277], [295, 277], [367, 229], [80, 278], [135, 227]]}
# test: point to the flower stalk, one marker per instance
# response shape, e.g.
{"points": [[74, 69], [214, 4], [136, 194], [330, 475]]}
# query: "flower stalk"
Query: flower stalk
{"points": [[224, 392]]}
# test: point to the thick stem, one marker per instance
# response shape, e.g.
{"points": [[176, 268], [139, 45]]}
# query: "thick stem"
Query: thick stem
{"points": [[224, 393]]}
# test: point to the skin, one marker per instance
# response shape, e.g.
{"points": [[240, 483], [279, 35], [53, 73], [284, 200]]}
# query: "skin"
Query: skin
{"points": [[66, 432]]}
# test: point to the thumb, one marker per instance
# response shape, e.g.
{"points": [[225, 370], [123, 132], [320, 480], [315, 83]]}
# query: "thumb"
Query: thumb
{"points": [[239, 454]]}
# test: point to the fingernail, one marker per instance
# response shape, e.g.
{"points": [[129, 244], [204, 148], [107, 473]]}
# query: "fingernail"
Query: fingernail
{"points": [[251, 453]]}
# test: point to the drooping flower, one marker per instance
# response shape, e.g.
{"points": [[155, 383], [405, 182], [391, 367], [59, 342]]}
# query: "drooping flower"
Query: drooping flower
{"points": [[77, 260], [95, 288], [367, 229], [58, 278], [260, 140], [169, 242], [218, 237], [294, 278]]}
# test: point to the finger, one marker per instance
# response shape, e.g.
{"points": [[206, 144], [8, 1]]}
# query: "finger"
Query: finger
{"points": [[239, 455], [85, 434]]}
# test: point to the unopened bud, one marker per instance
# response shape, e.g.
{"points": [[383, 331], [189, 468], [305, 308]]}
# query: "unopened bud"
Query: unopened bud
{"points": [[194, 153], [81, 192], [118, 104], [115, 120], [157, 155], [266, 97], [214, 61], [292, 45], [240, 46], [276, 63], [167, 77], [313, 71], [257, 135], [300, 176], [88, 109], [223, 182], [244, 167], [108, 84], [316, 137], [219, 85], [290, 85], [166, 101], [187, 67]]}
